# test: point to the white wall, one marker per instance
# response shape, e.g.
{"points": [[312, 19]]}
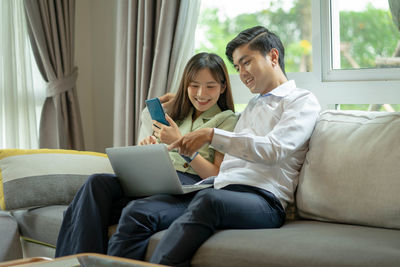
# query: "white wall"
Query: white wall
{"points": [[94, 56]]}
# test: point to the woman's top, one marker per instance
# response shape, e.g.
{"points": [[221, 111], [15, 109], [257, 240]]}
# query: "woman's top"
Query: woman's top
{"points": [[212, 118]]}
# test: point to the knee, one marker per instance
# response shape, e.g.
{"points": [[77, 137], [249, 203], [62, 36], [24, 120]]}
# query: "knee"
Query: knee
{"points": [[137, 214], [102, 184], [207, 200], [99, 180], [134, 210]]}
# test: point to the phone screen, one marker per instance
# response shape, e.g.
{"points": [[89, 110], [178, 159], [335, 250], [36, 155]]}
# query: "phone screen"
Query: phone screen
{"points": [[156, 110]]}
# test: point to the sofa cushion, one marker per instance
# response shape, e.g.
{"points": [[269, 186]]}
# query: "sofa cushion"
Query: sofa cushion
{"points": [[45, 176], [351, 173], [298, 243], [40, 225]]}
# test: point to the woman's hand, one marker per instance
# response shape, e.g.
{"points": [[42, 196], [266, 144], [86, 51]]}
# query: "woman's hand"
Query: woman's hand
{"points": [[149, 140], [166, 134]]}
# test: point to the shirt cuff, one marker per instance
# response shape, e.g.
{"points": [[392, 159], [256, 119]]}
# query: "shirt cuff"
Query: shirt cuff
{"points": [[221, 140]]}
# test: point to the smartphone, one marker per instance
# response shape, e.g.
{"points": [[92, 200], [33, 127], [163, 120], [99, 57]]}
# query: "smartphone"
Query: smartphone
{"points": [[156, 110]]}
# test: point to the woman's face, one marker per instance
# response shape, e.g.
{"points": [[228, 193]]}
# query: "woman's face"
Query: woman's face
{"points": [[204, 91]]}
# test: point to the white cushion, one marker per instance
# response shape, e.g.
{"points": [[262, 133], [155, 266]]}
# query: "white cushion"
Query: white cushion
{"points": [[146, 124], [351, 173]]}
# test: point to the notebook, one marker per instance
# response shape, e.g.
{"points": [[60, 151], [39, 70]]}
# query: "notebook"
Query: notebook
{"points": [[147, 170]]}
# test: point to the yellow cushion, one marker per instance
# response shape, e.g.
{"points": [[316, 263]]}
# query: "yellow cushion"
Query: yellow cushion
{"points": [[40, 177]]}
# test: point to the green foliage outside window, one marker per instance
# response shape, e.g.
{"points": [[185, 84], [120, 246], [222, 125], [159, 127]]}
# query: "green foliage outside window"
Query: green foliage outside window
{"points": [[366, 34], [218, 31], [370, 107]]}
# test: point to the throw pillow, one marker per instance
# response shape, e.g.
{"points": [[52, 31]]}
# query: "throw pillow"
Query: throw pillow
{"points": [[351, 173], [45, 176]]}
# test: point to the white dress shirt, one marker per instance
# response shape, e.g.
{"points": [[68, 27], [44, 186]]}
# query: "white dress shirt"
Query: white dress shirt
{"points": [[269, 142]]}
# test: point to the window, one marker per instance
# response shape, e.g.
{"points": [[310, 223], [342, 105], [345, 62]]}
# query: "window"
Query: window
{"points": [[360, 41], [363, 35], [21, 86], [329, 73], [222, 20]]}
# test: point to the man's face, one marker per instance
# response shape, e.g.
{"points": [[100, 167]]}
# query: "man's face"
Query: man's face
{"points": [[257, 72]]}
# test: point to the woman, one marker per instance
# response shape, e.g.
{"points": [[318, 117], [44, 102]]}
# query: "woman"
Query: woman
{"points": [[203, 100]]}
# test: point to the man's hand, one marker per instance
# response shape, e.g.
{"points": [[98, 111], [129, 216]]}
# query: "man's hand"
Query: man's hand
{"points": [[190, 143], [166, 101]]}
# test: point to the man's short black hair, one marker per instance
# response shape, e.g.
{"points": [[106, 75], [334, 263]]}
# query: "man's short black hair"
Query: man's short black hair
{"points": [[259, 38]]}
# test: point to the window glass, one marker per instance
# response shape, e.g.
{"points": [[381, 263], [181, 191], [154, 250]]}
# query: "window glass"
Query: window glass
{"points": [[22, 89], [222, 20], [364, 34], [370, 107]]}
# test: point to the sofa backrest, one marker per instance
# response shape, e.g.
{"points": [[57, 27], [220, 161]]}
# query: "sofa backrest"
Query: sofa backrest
{"points": [[351, 173]]}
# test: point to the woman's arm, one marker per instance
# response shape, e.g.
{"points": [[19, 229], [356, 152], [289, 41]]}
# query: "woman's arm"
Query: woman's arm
{"points": [[204, 168]]}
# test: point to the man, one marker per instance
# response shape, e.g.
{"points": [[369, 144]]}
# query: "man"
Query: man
{"points": [[259, 173]]}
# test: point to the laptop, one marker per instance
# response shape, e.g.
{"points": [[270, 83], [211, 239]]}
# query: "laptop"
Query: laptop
{"points": [[147, 170]]}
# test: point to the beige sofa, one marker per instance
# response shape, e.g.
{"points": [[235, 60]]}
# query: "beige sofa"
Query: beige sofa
{"points": [[348, 205]]}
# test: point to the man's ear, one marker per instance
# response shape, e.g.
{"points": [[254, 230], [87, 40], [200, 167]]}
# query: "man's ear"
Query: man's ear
{"points": [[274, 55]]}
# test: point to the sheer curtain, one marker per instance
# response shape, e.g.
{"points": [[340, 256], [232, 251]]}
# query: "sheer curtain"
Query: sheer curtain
{"points": [[20, 94], [183, 46]]}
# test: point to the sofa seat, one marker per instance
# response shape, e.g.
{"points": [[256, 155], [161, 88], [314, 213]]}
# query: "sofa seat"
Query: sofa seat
{"points": [[299, 243]]}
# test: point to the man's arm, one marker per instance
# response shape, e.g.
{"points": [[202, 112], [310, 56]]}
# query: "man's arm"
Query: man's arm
{"points": [[193, 141], [291, 132], [166, 101]]}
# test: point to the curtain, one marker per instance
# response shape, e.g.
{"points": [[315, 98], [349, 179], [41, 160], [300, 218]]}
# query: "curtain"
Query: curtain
{"points": [[183, 46], [152, 41], [51, 31], [18, 98]]}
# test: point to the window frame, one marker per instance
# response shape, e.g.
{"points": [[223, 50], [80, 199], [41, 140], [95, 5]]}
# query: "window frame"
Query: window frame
{"points": [[328, 19]]}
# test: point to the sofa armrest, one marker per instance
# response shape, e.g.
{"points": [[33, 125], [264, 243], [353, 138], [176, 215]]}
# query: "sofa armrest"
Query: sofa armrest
{"points": [[10, 245]]}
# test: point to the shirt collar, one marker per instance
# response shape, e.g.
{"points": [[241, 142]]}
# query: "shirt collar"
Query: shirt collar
{"points": [[282, 90], [210, 113], [206, 116], [187, 125]]}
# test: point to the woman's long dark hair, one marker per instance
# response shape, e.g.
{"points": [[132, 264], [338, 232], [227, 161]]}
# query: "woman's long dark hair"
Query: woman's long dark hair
{"points": [[181, 106]]}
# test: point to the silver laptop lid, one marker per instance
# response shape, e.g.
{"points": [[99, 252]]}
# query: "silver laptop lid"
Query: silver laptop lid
{"points": [[144, 170]]}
